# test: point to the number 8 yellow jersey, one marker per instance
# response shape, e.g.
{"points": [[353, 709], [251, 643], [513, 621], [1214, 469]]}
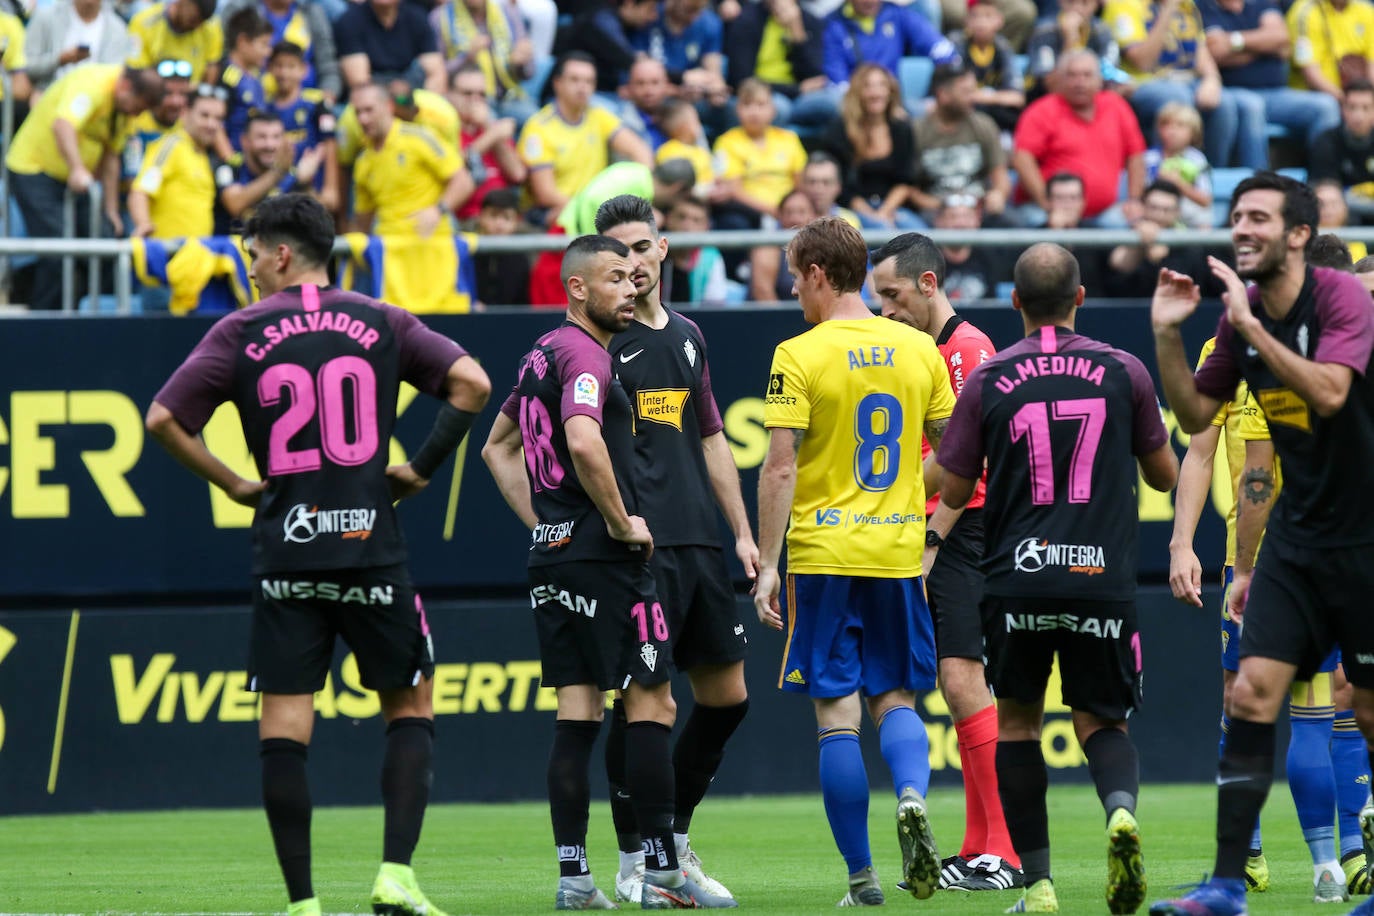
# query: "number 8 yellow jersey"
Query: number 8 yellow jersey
{"points": [[862, 389]]}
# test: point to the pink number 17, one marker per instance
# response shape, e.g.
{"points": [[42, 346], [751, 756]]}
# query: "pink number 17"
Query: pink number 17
{"points": [[1032, 421]]}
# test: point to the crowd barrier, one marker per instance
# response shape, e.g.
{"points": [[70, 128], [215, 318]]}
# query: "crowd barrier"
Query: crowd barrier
{"points": [[91, 509], [138, 708]]}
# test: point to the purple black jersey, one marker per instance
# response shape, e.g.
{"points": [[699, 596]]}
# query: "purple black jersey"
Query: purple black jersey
{"points": [[314, 374], [1061, 419], [1326, 500], [665, 375], [568, 374]]}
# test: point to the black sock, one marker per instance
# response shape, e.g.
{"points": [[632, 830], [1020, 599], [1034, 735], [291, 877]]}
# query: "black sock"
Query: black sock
{"points": [[1114, 767], [286, 798], [698, 753], [1244, 776], [570, 795], [622, 812], [649, 775], [1022, 783], [407, 774]]}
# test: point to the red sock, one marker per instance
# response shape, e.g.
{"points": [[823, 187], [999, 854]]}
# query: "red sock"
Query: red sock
{"points": [[985, 829]]}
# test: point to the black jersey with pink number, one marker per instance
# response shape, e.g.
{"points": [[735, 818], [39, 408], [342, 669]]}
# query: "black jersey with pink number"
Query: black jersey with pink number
{"points": [[1061, 419], [314, 373], [568, 374]]}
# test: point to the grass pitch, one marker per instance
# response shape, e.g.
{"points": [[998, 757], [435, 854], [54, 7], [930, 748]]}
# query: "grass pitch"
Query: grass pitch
{"points": [[774, 853]]}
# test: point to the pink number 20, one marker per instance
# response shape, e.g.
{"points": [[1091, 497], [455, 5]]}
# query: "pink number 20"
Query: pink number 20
{"points": [[340, 412], [1032, 422]]}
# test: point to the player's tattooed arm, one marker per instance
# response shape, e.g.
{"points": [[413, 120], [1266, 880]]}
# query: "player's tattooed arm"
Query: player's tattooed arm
{"points": [[935, 432], [1257, 485], [1253, 502], [797, 436]]}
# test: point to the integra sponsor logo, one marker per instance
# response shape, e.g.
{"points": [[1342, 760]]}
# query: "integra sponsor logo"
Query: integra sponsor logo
{"points": [[1034, 554], [305, 523], [544, 594], [559, 534], [1090, 626], [375, 595]]}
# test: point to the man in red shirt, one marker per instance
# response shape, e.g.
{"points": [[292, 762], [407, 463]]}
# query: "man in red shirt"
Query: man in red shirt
{"points": [[908, 278], [1087, 131]]}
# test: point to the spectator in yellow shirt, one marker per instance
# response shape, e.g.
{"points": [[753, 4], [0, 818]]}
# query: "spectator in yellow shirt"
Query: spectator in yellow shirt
{"points": [[430, 109], [12, 55], [76, 129], [570, 141], [681, 124], [174, 195], [1333, 44], [179, 30], [406, 179], [759, 164]]}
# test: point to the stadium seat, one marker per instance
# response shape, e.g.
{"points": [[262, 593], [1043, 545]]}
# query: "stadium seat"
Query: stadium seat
{"points": [[1224, 183], [913, 73]]}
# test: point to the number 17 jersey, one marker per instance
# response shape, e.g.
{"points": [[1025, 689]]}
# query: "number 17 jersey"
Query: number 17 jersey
{"points": [[862, 389], [1061, 419]]}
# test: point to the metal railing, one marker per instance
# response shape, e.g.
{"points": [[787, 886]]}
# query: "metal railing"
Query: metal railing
{"points": [[96, 250]]}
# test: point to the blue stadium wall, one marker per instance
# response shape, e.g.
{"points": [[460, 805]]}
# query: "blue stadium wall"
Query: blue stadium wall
{"points": [[123, 622]]}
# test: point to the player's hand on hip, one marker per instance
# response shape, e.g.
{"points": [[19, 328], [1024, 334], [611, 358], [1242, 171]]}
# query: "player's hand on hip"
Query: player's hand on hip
{"points": [[1238, 594], [1185, 576], [766, 588], [427, 220], [636, 535], [404, 481], [1176, 297], [247, 492], [748, 553]]}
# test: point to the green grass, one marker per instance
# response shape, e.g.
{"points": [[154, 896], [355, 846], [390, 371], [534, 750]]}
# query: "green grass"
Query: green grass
{"points": [[774, 853]]}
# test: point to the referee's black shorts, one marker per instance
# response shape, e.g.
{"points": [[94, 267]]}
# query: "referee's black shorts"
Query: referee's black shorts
{"points": [[954, 590]]}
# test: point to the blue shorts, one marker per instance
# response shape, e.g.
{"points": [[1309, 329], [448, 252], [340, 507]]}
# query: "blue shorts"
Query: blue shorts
{"points": [[850, 633], [1230, 633]]}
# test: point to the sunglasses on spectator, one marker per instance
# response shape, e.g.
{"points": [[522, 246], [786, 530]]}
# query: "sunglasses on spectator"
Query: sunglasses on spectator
{"points": [[179, 69], [207, 91], [961, 200]]}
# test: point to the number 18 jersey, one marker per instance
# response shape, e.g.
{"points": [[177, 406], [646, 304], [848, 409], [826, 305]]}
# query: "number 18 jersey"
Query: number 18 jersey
{"points": [[314, 374], [862, 389], [1060, 418]]}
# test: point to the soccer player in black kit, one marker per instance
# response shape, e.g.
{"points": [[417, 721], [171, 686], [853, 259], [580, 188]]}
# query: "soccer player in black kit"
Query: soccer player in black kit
{"points": [[314, 372], [596, 609], [1301, 337], [682, 466], [1062, 421]]}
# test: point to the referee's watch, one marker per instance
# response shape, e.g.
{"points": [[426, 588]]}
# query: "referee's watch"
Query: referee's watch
{"points": [[933, 538]]}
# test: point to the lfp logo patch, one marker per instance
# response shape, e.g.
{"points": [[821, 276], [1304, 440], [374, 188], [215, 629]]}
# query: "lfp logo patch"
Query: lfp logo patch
{"points": [[586, 390]]}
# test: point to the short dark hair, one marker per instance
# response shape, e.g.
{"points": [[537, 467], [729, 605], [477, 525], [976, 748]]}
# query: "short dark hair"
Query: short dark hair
{"points": [[834, 246], [146, 84], [1163, 187], [1300, 206], [622, 209], [584, 248], [1359, 86], [298, 221], [286, 49], [946, 74], [1063, 178], [246, 23], [676, 173], [915, 254], [1328, 250], [261, 116], [501, 199], [1047, 281], [206, 8], [569, 57]]}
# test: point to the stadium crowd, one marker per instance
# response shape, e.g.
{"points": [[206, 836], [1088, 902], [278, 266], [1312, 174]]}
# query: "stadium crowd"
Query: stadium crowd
{"points": [[424, 128]]}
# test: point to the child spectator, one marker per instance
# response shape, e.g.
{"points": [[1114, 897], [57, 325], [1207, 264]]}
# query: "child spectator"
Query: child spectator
{"points": [[993, 61], [488, 142], [693, 276], [1177, 161], [306, 117], [502, 278], [681, 124], [1333, 214], [1346, 153], [759, 163], [249, 39]]}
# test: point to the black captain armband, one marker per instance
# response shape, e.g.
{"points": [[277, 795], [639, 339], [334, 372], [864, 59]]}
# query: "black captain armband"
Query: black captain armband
{"points": [[450, 427]]}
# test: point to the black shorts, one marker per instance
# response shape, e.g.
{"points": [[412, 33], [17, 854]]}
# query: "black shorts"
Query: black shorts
{"points": [[954, 590], [600, 623], [377, 612], [703, 615], [1304, 600], [1098, 645]]}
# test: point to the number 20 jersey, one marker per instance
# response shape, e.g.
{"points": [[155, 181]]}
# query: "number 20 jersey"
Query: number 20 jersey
{"points": [[314, 374], [1061, 418], [862, 389]]}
